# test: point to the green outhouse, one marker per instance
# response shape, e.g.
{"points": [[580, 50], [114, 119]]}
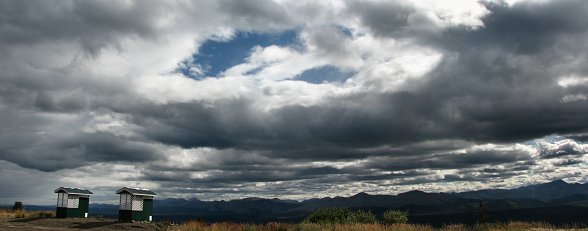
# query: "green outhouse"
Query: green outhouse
{"points": [[72, 202], [135, 204]]}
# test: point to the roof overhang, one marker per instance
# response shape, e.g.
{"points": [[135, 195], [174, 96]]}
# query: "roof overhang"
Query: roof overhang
{"points": [[73, 191], [138, 192]]}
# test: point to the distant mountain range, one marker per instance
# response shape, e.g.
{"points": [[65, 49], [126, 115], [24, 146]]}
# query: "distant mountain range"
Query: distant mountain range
{"points": [[555, 201], [544, 192]]}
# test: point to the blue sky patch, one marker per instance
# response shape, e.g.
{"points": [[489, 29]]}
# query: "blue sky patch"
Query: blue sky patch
{"points": [[216, 56]]}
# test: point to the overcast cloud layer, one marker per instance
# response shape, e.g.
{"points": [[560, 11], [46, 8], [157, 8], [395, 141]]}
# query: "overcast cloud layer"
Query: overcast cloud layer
{"points": [[373, 96]]}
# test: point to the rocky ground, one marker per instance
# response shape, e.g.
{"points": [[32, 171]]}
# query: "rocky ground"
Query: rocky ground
{"points": [[57, 224]]}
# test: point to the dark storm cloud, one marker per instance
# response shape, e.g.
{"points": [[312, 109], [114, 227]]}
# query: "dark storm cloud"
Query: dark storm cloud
{"points": [[491, 100], [257, 12], [59, 151], [501, 82], [578, 137], [231, 123], [241, 167], [497, 171], [449, 161], [339, 131], [72, 103], [525, 28], [390, 18], [92, 24], [245, 174], [270, 170]]}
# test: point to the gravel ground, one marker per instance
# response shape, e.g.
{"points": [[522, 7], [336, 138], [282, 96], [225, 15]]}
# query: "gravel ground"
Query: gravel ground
{"points": [[71, 224]]}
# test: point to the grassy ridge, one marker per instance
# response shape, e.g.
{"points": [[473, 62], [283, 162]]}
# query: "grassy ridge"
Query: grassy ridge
{"points": [[225, 226]]}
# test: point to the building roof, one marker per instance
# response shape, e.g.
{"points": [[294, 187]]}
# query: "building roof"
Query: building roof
{"points": [[136, 191], [73, 191]]}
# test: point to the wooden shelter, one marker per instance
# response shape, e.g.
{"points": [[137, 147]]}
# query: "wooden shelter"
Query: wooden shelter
{"points": [[135, 204], [72, 202]]}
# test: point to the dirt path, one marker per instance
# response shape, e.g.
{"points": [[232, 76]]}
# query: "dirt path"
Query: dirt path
{"points": [[59, 224]]}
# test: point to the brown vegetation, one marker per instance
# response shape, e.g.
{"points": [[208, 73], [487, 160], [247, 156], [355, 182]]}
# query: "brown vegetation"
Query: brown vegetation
{"points": [[9, 213], [202, 226]]}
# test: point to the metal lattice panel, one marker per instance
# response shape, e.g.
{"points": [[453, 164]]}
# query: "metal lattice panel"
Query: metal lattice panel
{"points": [[137, 203], [73, 201], [62, 200], [126, 201]]}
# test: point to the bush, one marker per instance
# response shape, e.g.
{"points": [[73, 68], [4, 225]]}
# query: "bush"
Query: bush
{"points": [[328, 216], [8, 213], [339, 216], [395, 217], [44, 214], [17, 206], [361, 217], [482, 214], [20, 214]]}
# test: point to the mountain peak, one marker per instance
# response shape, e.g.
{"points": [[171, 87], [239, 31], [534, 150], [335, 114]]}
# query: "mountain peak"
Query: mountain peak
{"points": [[557, 182], [361, 194], [252, 199], [413, 192]]}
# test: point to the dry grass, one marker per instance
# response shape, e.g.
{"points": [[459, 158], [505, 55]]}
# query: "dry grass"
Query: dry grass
{"points": [[8, 213], [224, 226], [518, 225]]}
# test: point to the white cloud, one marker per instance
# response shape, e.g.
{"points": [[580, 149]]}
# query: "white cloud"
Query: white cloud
{"points": [[564, 147], [575, 97], [572, 81]]}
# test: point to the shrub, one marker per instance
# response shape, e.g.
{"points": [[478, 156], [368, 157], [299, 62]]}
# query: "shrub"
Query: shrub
{"points": [[20, 214], [17, 206], [8, 213], [328, 216], [395, 217], [361, 217], [482, 214], [339, 216], [45, 214]]}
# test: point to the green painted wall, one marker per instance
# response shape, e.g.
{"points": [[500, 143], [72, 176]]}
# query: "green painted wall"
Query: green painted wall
{"points": [[125, 215], [70, 212], [137, 215], [130, 216], [61, 212], [84, 205], [73, 212], [79, 212], [147, 209]]}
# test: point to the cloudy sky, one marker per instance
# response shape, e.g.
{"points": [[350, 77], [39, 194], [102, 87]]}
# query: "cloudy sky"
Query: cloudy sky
{"points": [[290, 98]]}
